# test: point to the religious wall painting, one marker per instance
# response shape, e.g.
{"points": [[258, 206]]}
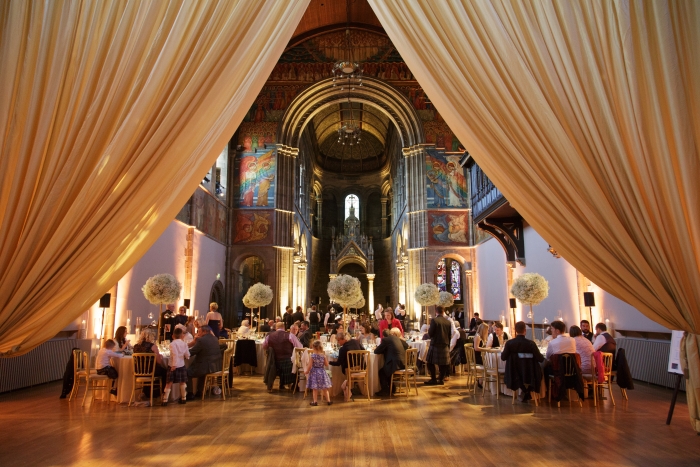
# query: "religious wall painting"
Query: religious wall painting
{"points": [[446, 181], [199, 209], [253, 227], [221, 222], [448, 228], [256, 136], [255, 175]]}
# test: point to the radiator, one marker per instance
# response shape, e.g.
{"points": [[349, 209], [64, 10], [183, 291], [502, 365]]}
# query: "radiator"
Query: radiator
{"points": [[648, 360], [45, 363]]}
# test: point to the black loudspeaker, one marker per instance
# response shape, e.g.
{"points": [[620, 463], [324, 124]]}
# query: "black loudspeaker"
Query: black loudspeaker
{"points": [[588, 299], [104, 301], [187, 303], [512, 303]]}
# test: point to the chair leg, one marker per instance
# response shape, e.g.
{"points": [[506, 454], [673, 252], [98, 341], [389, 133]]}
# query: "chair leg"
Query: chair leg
{"points": [[537, 399], [391, 386], [133, 392], [550, 391], [223, 388], [87, 389], [367, 388], [612, 398], [595, 394], [514, 393]]}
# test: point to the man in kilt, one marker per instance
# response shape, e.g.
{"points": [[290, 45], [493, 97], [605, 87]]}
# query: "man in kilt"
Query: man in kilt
{"points": [[283, 343], [439, 351]]}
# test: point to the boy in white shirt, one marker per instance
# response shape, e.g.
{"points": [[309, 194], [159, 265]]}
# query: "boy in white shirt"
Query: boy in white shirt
{"points": [[103, 364], [177, 373]]}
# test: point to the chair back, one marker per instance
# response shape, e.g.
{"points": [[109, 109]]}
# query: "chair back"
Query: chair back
{"points": [[607, 364], [144, 364], [228, 355], [568, 361], [298, 354], [358, 360], [490, 359], [78, 361], [471, 358], [424, 353], [230, 343], [412, 359]]}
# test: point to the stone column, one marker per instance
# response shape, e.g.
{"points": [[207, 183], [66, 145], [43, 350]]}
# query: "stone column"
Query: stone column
{"points": [[385, 233], [370, 292], [319, 215]]}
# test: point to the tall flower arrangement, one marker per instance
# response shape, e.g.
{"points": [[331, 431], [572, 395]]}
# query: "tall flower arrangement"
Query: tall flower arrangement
{"points": [[530, 289], [159, 289], [258, 295], [427, 294], [446, 299], [345, 290]]}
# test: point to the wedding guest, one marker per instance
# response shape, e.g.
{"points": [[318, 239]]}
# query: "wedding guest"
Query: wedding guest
{"points": [[480, 339], [146, 344], [283, 344], [305, 335], [314, 319], [583, 347], [244, 330], [214, 319], [400, 312], [103, 363], [604, 341], [342, 361], [267, 326], [439, 352], [561, 343], [208, 358], [548, 334], [329, 320], [424, 332], [181, 317], [389, 322], [457, 354], [316, 377], [586, 330], [190, 325], [497, 338], [473, 324], [120, 338], [459, 316], [394, 351], [520, 345], [294, 330], [177, 373], [352, 325], [287, 318], [167, 321], [298, 315], [379, 312], [366, 335]]}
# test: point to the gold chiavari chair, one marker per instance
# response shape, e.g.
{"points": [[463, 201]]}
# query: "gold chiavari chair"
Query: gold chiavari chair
{"points": [[144, 367], [93, 381], [569, 362], [425, 357], [472, 369], [607, 383], [409, 372], [591, 380], [80, 373], [534, 392], [298, 354], [491, 372], [358, 369], [212, 379]]}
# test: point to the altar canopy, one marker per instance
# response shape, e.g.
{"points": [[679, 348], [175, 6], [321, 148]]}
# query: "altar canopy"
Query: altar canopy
{"points": [[111, 112], [586, 115]]}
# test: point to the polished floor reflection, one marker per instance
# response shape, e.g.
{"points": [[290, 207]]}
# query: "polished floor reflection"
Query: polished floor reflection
{"points": [[438, 427]]}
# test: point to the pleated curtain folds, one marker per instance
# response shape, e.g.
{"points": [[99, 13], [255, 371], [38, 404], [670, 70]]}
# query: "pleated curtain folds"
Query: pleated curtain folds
{"points": [[111, 113]]}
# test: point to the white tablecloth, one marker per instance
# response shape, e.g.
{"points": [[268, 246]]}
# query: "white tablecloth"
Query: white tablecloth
{"points": [[125, 381], [376, 362]]}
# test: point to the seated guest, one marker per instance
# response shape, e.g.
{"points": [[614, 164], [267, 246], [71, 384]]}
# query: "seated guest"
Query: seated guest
{"points": [[267, 326], [586, 330], [342, 361], [514, 348], [548, 334], [604, 341], [146, 344], [190, 325], [389, 322], [457, 354], [244, 330], [186, 336], [294, 330], [394, 351], [366, 336], [208, 358], [337, 327], [424, 332], [103, 363], [497, 338], [283, 344], [181, 317], [583, 347], [298, 315], [561, 343], [121, 340], [480, 339], [305, 336], [224, 333]]}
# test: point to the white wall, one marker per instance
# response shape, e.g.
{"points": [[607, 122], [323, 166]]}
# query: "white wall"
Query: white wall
{"points": [[564, 294]]}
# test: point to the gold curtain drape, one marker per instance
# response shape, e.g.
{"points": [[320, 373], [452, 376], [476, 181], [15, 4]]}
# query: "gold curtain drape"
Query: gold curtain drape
{"points": [[111, 112], [690, 356], [586, 115]]}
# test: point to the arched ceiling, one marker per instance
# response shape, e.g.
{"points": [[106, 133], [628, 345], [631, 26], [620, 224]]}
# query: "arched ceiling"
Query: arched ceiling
{"points": [[327, 15]]}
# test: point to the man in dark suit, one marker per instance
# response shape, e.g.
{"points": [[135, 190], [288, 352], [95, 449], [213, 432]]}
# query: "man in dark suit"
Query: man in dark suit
{"points": [[298, 315], [267, 326], [459, 316], [394, 351], [345, 346], [287, 318], [440, 331], [523, 348], [208, 358], [472, 323], [305, 336]]}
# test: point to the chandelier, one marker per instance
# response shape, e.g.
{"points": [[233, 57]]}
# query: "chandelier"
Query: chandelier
{"points": [[347, 71], [349, 131]]}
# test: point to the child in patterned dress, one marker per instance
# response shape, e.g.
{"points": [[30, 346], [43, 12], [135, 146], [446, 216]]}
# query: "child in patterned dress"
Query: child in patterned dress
{"points": [[316, 377]]}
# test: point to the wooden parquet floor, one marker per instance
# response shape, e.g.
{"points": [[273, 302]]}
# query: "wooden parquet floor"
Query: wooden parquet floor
{"points": [[254, 428]]}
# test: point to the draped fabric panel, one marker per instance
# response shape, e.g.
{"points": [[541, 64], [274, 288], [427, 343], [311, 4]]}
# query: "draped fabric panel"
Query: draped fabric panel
{"points": [[111, 112], [586, 115]]}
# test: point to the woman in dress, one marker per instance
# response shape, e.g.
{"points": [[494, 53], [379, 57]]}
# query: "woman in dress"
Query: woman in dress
{"points": [[316, 376], [584, 348], [214, 319], [480, 339], [121, 340]]}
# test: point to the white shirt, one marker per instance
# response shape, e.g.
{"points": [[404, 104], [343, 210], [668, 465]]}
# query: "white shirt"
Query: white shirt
{"points": [[103, 356], [243, 331], [562, 344], [379, 314], [453, 341], [178, 352], [399, 312], [585, 349], [599, 341], [501, 340]]}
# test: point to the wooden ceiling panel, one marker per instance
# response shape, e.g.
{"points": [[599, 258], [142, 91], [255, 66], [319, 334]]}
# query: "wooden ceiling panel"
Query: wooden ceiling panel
{"points": [[324, 13]]}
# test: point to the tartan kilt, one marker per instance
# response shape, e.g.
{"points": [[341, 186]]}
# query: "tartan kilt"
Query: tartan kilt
{"points": [[438, 355], [177, 376], [284, 371], [313, 328]]}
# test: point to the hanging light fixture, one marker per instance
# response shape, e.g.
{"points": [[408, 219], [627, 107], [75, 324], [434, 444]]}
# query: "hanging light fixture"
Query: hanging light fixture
{"points": [[349, 132], [347, 71]]}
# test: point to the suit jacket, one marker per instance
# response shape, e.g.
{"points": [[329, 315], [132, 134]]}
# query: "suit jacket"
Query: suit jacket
{"points": [[297, 316], [305, 338], [440, 331], [522, 373], [287, 320], [208, 356], [394, 351], [460, 318], [472, 324], [342, 361]]}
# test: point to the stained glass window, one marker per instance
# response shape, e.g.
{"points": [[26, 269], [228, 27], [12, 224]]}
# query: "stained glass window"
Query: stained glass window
{"points": [[441, 276], [455, 281]]}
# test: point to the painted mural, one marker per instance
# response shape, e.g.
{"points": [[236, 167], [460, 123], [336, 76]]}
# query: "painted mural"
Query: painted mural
{"points": [[206, 214], [255, 175], [446, 181], [448, 228], [253, 227]]}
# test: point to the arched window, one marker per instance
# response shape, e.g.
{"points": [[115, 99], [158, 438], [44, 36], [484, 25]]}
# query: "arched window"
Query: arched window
{"points": [[352, 201], [449, 277]]}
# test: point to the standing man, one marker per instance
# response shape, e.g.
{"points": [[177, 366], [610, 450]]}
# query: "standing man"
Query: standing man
{"points": [[439, 331], [473, 323], [394, 350], [287, 318], [459, 316], [329, 320], [167, 320], [400, 313], [586, 330], [298, 315], [314, 319]]}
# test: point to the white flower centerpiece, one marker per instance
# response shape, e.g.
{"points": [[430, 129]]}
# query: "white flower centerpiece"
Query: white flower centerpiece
{"points": [[446, 300], [258, 295], [357, 306], [159, 289], [426, 295], [530, 289], [345, 290]]}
